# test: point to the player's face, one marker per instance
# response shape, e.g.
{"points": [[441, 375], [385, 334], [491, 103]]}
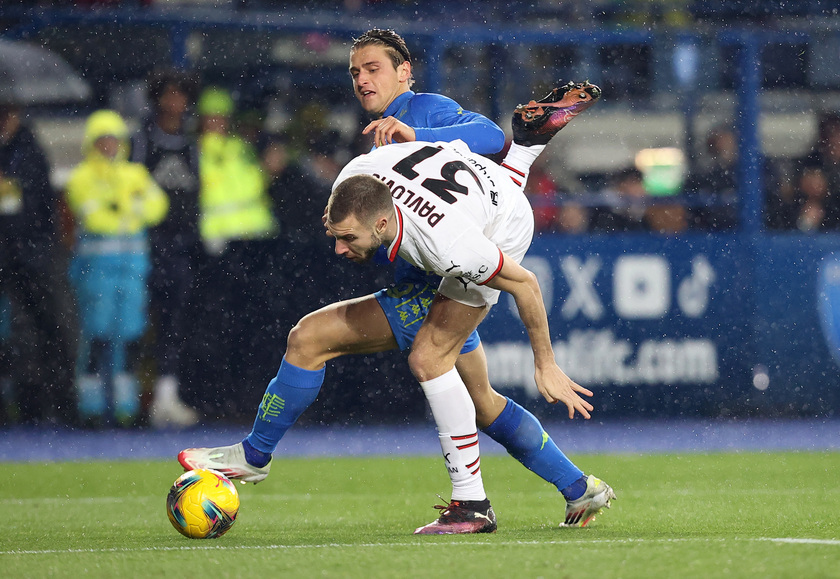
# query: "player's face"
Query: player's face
{"points": [[375, 81], [353, 240]]}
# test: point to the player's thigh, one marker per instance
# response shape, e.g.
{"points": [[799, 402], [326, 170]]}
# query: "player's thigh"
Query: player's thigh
{"points": [[444, 331], [356, 326]]}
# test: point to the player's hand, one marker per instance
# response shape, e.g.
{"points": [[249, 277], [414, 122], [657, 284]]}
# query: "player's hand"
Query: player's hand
{"points": [[556, 387], [389, 130]]}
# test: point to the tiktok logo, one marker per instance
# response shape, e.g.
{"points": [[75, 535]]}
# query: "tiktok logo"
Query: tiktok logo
{"points": [[693, 292]]}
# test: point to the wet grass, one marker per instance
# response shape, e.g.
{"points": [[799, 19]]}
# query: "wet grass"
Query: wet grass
{"points": [[688, 515]]}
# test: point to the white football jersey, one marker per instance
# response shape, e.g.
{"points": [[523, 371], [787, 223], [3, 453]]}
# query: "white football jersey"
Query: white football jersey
{"points": [[456, 213]]}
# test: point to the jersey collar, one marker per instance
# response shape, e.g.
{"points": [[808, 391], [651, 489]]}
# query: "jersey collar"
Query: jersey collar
{"points": [[394, 248], [399, 105]]}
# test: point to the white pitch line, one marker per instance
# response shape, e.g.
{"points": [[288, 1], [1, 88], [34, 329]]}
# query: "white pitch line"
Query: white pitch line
{"points": [[805, 541], [489, 543]]}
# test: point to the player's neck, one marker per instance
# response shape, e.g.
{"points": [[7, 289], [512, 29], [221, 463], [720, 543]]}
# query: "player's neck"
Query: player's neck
{"points": [[390, 104]]}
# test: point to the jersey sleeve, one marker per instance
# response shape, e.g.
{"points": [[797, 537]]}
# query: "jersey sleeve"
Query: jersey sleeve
{"points": [[446, 120], [471, 257]]}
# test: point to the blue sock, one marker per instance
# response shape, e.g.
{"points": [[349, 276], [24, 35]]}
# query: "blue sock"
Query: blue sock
{"points": [[254, 457], [287, 396], [575, 490], [523, 437]]}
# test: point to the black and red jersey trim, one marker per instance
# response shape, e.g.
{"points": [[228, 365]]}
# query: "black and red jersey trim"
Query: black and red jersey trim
{"points": [[395, 246], [498, 269]]}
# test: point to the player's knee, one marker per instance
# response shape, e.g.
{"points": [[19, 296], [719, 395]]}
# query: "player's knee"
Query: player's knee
{"points": [[415, 363], [306, 340], [425, 364]]}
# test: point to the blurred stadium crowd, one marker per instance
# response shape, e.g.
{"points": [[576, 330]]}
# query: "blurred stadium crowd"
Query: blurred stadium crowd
{"points": [[226, 258], [600, 11], [245, 158]]}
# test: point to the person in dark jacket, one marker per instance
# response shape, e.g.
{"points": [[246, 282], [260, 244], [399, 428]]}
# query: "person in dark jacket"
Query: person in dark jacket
{"points": [[170, 153], [39, 354]]}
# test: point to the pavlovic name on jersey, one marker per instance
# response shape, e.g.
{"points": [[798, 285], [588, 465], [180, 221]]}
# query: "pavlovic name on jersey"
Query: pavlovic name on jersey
{"points": [[445, 201]]}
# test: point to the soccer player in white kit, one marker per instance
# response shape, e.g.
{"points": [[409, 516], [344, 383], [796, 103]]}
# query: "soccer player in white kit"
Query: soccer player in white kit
{"points": [[458, 215]]}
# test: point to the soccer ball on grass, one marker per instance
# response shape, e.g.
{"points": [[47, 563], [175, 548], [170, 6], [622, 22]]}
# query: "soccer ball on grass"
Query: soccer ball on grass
{"points": [[202, 504]]}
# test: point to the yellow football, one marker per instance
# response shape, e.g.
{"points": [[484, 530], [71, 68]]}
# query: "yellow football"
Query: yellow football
{"points": [[202, 504]]}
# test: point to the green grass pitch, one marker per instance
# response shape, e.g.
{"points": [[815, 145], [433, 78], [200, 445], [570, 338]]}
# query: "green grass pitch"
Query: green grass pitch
{"points": [[770, 514]]}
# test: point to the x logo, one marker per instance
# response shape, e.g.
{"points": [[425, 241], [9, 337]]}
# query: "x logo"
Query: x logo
{"points": [[581, 277]]}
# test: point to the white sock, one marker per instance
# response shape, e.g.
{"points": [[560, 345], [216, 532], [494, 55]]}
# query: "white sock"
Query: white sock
{"points": [[454, 415], [518, 162]]}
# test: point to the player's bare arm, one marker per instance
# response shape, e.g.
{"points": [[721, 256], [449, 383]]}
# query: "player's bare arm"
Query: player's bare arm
{"points": [[389, 130], [552, 382]]}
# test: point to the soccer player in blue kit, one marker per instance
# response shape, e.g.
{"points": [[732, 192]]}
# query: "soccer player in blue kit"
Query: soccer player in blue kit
{"points": [[380, 66]]}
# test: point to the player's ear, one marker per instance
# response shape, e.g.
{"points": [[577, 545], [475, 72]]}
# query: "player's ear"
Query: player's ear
{"points": [[381, 225], [404, 71]]}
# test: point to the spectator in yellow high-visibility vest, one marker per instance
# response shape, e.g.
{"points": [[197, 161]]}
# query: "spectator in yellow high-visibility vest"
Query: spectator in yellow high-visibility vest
{"points": [[113, 201], [233, 202], [238, 231]]}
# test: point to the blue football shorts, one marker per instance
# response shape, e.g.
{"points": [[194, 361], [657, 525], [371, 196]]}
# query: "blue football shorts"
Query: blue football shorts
{"points": [[406, 305]]}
